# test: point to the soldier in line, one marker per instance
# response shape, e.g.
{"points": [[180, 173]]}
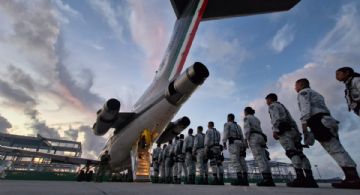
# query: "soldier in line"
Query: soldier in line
{"points": [[187, 150], [155, 162], [316, 116], [213, 152], [287, 133], [199, 152], [104, 166], [257, 142], [351, 80], [180, 158], [175, 161], [168, 162], [162, 158], [237, 149]]}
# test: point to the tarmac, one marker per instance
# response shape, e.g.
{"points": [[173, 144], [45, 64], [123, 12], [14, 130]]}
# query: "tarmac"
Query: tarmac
{"points": [[16, 187]]}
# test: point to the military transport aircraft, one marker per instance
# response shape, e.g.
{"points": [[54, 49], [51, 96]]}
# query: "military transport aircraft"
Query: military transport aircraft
{"points": [[149, 121]]}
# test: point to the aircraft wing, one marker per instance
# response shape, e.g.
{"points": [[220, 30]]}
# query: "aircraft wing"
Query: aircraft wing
{"points": [[218, 9], [53, 157]]}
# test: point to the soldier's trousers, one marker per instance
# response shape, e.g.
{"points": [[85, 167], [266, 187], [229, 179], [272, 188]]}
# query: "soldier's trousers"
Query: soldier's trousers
{"points": [[338, 153], [200, 162], [175, 169], [237, 152], [162, 170], [156, 167], [168, 167], [190, 164], [181, 166], [216, 161], [257, 145], [291, 142]]}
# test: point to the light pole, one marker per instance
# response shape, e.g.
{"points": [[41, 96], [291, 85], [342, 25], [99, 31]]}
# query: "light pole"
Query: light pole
{"points": [[316, 166]]}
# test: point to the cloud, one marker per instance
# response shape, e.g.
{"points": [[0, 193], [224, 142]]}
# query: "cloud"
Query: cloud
{"points": [[91, 143], [111, 17], [15, 95], [330, 53], [150, 30], [4, 125], [283, 38]]}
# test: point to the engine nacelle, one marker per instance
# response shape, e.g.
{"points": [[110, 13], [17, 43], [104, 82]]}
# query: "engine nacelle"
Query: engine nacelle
{"points": [[182, 87], [173, 129], [106, 117]]}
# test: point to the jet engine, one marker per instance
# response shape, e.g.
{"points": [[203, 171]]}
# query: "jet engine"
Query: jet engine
{"points": [[181, 88], [173, 129], [106, 117]]}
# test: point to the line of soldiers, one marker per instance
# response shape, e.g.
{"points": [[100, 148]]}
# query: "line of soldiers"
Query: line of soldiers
{"points": [[315, 115]]}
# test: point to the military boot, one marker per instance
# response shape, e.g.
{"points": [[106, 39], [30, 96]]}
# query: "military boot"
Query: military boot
{"points": [[299, 181], [239, 179], [215, 180], [200, 181], [266, 181], [193, 178], [309, 180], [206, 180], [245, 181], [351, 181], [221, 179]]}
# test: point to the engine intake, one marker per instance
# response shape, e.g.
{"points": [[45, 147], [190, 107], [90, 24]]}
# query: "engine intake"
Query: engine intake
{"points": [[181, 88], [106, 117]]}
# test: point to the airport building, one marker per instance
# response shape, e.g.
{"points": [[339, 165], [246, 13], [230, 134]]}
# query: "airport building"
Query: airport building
{"points": [[15, 160]]}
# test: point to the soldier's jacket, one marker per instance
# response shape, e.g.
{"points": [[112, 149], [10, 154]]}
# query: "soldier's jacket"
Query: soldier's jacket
{"points": [[352, 92], [188, 144], [178, 147], [212, 137], [280, 115], [162, 155], [156, 154], [251, 124], [168, 150], [199, 141], [173, 147], [232, 131], [310, 104]]}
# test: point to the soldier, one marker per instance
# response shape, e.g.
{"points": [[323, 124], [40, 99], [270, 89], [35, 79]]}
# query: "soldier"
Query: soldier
{"points": [[180, 158], [155, 162], [199, 151], [237, 149], [175, 160], [286, 131], [104, 166], [316, 116], [162, 158], [169, 162], [213, 152], [187, 150], [351, 80], [257, 142]]}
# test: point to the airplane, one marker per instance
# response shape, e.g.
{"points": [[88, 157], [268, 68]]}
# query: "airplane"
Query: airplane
{"points": [[149, 121]]}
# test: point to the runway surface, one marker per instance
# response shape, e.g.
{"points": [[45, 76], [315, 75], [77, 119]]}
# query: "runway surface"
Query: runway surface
{"points": [[8, 187]]}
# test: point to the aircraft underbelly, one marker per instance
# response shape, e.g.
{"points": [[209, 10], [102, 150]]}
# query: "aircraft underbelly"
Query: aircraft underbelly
{"points": [[154, 120]]}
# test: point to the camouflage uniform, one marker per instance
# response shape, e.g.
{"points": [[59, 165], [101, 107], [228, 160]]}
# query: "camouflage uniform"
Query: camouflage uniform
{"points": [[168, 163], [190, 164], [316, 116], [155, 162], [289, 135], [213, 150], [180, 158], [162, 160], [201, 162], [237, 151], [352, 94], [175, 162]]}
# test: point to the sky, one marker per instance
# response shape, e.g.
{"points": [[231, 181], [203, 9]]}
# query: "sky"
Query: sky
{"points": [[60, 60]]}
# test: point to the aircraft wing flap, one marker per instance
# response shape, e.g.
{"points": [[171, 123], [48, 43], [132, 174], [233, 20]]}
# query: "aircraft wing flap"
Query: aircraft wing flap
{"points": [[218, 9]]}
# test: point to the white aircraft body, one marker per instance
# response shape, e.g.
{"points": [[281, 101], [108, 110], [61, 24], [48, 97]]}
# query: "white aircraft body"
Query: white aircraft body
{"points": [[150, 118]]}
